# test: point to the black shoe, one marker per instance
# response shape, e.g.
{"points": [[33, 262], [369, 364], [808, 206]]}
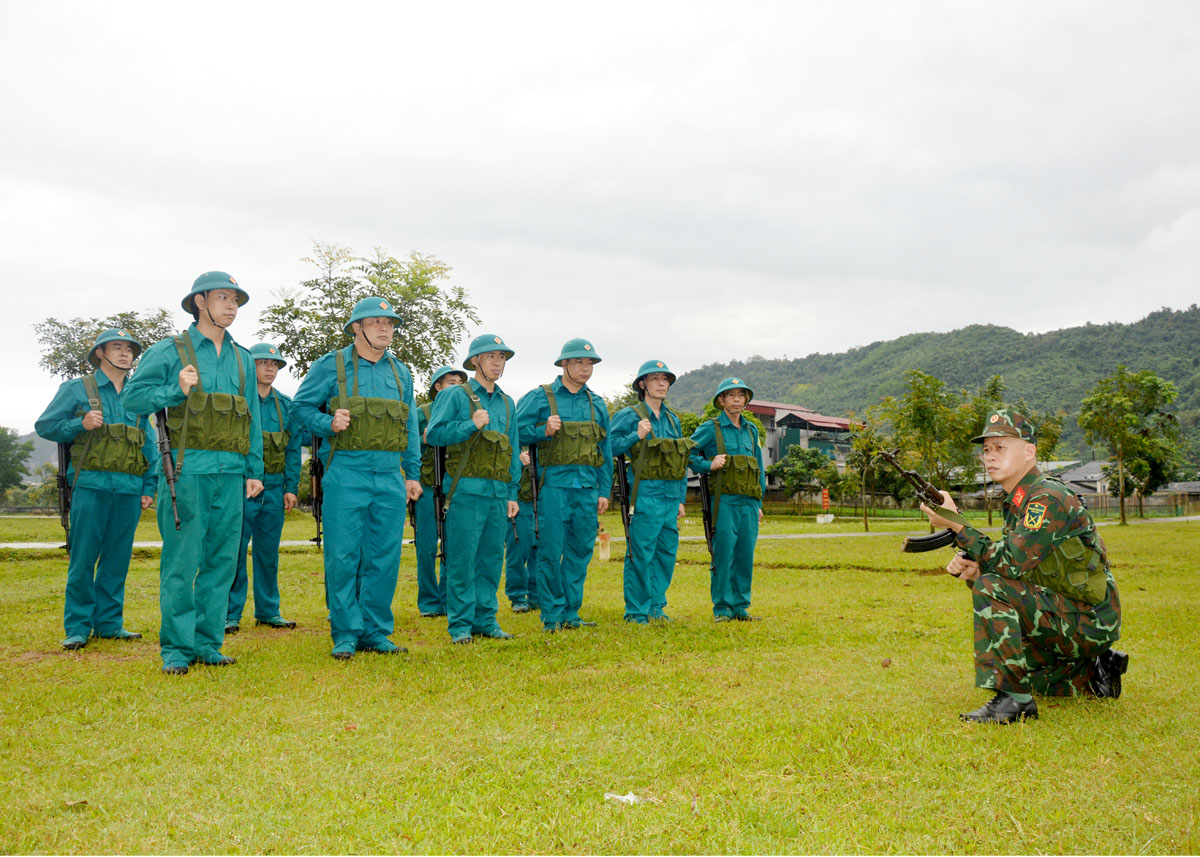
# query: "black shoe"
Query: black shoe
{"points": [[218, 661], [127, 636], [174, 670], [521, 607], [743, 616], [231, 628], [584, 623], [276, 622], [1002, 708], [1106, 674]]}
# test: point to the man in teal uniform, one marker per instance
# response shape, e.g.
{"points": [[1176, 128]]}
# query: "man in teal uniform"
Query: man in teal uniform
{"points": [[372, 465], [727, 448], [569, 424], [651, 434], [262, 520], [1046, 607], [111, 448], [520, 547], [205, 381], [431, 591], [477, 424]]}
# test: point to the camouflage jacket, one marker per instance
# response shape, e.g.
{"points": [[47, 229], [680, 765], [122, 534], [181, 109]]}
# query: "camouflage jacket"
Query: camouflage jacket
{"points": [[1040, 513]]}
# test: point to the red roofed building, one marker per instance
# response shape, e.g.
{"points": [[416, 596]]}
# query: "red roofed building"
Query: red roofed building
{"points": [[788, 424]]}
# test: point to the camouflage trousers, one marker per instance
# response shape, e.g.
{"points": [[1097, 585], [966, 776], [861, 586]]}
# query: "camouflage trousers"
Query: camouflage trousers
{"points": [[1031, 640]]}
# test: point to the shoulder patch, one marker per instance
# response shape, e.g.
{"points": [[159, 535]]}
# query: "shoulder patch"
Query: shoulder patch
{"points": [[1035, 516]]}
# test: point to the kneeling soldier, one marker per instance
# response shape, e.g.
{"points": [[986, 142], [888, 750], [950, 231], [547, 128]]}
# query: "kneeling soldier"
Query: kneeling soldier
{"points": [[371, 472], [477, 424], [727, 447], [216, 434], [111, 448], [1046, 605], [652, 436], [262, 521]]}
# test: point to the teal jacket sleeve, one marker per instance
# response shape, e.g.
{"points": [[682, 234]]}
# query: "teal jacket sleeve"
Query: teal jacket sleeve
{"points": [[762, 471], [254, 461], [410, 460], [155, 384], [624, 431], [291, 456], [450, 418], [700, 458], [316, 389], [606, 469], [62, 421], [514, 437], [150, 450], [532, 412]]}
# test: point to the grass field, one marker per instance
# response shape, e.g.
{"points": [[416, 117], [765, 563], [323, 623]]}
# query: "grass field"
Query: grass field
{"points": [[828, 727]]}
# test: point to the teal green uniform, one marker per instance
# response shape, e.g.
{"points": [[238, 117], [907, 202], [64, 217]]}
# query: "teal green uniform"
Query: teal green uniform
{"points": [[477, 509], [365, 500], [431, 589], [520, 556], [654, 526], [200, 559], [105, 509], [567, 516], [262, 518], [736, 525]]}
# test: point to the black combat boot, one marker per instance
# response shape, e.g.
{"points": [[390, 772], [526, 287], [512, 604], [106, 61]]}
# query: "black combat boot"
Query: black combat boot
{"points": [[1106, 674], [1002, 708]]}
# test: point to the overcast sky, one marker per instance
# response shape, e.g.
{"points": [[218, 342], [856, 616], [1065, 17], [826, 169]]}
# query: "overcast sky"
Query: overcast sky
{"points": [[693, 182]]}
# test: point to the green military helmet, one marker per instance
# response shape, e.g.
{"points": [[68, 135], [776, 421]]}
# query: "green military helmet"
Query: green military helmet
{"points": [[372, 307], [484, 343], [649, 368], [113, 334], [267, 351], [732, 384], [209, 281], [441, 373], [1006, 422], [577, 348]]}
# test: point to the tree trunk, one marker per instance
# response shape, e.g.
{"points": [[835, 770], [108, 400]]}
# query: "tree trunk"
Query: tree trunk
{"points": [[866, 529], [1121, 484]]}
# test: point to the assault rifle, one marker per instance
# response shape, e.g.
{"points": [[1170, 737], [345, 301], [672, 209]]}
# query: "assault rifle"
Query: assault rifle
{"points": [[439, 499], [316, 472], [533, 486], [168, 461], [64, 493], [933, 498], [706, 516], [623, 491]]}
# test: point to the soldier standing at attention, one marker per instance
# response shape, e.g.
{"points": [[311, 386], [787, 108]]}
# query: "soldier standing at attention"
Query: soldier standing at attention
{"points": [[652, 436], [111, 448], [431, 590], [520, 547], [569, 424], [476, 422], [202, 377], [1046, 606], [371, 471], [727, 448], [262, 519]]}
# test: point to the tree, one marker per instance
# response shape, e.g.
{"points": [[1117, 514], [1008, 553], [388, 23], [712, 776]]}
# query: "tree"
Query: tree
{"points": [[926, 423], [1126, 412], [12, 458], [1150, 463], [308, 322], [628, 398], [868, 438], [66, 344], [799, 469]]}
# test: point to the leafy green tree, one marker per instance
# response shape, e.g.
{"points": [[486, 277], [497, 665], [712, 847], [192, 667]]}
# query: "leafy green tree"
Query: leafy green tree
{"points": [[1127, 413], [868, 438], [45, 493], [66, 344], [627, 398], [12, 458], [927, 424], [800, 469], [307, 322]]}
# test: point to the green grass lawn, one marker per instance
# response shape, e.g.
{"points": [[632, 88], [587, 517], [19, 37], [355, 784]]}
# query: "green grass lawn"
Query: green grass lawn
{"points": [[831, 726]]}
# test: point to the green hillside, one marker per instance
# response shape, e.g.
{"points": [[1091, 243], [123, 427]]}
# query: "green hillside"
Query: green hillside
{"points": [[1049, 370]]}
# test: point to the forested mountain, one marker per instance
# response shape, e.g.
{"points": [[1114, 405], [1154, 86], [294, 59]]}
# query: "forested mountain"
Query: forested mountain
{"points": [[1049, 370]]}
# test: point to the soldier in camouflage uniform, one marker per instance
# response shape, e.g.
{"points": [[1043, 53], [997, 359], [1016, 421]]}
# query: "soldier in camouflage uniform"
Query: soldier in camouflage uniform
{"points": [[1045, 604]]}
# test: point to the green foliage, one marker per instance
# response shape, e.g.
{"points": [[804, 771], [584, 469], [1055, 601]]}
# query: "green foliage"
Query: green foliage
{"points": [[802, 469], [66, 344], [1127, 413], [1053, 371], [12, 458], [308, 322], [627, 399]]}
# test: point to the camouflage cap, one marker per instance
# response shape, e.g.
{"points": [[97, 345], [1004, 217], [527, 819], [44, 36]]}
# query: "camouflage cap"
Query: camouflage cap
{"points": [[1008, 423]]}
